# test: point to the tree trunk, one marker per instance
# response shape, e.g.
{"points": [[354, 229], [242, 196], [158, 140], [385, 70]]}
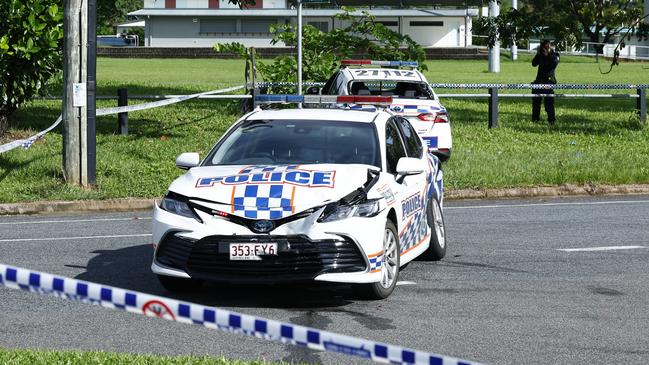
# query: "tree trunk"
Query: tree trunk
{"points": [[5, 114]]}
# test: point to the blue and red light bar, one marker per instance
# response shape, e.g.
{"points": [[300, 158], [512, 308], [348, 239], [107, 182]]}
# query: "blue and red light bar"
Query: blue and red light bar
{"points": [[379, 63], [323, 99]]}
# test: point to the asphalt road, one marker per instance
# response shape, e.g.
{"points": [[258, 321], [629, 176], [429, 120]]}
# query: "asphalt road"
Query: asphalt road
{"points": [[508, 292]]}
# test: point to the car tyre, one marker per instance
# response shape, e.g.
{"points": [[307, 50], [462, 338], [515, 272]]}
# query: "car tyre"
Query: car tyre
{"points": [[437, 246], [389, 266], [180, 285]]}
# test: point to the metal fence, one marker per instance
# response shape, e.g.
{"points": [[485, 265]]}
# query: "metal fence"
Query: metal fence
{"points": [[493, 94]]}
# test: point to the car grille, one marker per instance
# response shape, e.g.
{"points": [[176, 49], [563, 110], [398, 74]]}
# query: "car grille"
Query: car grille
{"points": [[298, 259]]}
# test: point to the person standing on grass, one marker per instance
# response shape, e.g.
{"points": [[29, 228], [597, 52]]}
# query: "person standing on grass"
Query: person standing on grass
{"points": [[547, 60]]}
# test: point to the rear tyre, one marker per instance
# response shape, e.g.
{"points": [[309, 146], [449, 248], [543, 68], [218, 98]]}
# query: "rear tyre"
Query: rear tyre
{"points": [[437, 246], [389, 266], [181, 285]]}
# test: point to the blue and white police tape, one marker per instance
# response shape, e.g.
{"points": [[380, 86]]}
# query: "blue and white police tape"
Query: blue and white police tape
{"points": [[211, 317], [541, 86], [27, 142]]}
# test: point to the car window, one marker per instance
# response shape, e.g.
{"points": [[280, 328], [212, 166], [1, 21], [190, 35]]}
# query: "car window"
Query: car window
{"points": [[410, 138], [264, 142], [326, 89], [396, 89], [394, 149]]}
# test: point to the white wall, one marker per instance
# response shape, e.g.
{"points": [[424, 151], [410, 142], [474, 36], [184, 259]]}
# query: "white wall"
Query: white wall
{"points": [[274, 4], [225, 4], [450, 34], [154, 3], [192, 4], [184, 32]]}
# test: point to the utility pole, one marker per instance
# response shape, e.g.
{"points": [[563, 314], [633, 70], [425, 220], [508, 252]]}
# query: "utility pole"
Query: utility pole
{"points": [[514, 46], [494, 52], [91, 76], [299, 49], [79, 66], [73, 92]]}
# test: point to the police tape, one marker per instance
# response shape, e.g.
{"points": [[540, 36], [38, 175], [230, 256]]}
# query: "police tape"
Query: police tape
{"points": [[215, 318], [27, 142], [541, 86], [282, 83], [486, 86]]}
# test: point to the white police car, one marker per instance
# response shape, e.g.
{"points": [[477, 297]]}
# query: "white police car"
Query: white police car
{"points": [[412, 97], [300, 195]]}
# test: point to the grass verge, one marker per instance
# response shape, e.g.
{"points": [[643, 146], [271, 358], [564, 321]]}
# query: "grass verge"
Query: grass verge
{"points": [[594, 142], [29, 357]]}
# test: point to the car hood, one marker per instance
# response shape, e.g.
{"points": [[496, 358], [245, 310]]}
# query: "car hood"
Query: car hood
{"points": [[269, 192]]}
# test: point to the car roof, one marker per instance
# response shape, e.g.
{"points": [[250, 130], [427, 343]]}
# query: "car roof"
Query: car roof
{"points": [[316, 114], [390, 74]]}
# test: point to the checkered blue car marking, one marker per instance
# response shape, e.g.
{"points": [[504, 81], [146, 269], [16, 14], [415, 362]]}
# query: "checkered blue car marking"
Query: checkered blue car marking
{"points": [[376, 262], [263, 201], [416, 230], [190, 313]]}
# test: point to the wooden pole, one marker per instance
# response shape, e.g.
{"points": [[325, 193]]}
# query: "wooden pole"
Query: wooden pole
{"points": [[72, 87]]}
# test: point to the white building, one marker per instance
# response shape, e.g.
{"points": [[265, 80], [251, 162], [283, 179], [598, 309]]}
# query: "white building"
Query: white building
{"points": [[202, 23]]}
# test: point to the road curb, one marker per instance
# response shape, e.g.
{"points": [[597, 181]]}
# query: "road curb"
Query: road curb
{"points": [[130, 204]]}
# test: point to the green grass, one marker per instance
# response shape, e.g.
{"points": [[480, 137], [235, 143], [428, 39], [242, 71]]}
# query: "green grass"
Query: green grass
{"points": [[50, 357], [595, 141]]}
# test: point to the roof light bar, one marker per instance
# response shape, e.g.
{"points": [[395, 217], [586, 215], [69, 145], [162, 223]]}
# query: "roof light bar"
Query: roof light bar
{"points": [[323, 99], [380, 63]]}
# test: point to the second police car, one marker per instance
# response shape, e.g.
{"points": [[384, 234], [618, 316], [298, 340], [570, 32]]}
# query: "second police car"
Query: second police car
{"points": [[412, 96], [292, 195]]}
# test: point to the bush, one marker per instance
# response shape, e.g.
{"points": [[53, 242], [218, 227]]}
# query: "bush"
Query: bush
{"points": [[30, 51], [321, 51]]}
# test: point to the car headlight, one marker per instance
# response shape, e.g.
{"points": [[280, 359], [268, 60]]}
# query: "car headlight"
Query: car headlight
{"points": [[176, 206], [336, 211]]}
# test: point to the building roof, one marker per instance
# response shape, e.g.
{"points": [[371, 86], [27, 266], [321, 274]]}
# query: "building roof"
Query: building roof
{"points": [[305, 12], [134, 23]]}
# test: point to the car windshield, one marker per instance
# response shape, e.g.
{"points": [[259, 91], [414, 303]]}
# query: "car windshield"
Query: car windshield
{"points": [[396, 89], [260, 142]]}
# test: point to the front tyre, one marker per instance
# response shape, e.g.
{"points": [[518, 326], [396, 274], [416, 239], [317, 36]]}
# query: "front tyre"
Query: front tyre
{"points": [[437, 246], [389, 266]]}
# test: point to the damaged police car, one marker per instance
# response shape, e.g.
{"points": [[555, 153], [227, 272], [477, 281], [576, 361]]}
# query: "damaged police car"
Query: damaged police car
{"points": [[285, 196]]}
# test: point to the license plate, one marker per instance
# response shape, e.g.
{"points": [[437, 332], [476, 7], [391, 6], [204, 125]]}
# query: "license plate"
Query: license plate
{"points": [[252, 251]]}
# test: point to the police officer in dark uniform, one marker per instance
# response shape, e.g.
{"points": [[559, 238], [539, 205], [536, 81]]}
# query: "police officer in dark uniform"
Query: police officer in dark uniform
{"points": [[547, 60]]}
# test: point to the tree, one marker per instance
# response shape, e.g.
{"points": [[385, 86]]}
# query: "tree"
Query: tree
{"points": [[568, 22], [110, 12], [30, 51], [321, 51]]}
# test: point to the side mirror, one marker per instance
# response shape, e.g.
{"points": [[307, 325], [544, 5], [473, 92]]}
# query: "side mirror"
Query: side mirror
{"points": [[187, 160], [408, 166], [313, 90]]}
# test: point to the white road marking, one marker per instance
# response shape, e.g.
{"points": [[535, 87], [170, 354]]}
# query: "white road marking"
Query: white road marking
{"points": [[609, 248], [406, 283], [548, 204], [74, 238], [77, 220]]}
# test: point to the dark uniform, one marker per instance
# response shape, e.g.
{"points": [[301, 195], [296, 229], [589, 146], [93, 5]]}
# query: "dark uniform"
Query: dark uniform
{"points": [[547, 64]]}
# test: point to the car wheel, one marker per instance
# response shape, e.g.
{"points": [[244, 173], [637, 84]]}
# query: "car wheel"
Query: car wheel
{"points": [[389, 266], [173, 284], [437, 246]]}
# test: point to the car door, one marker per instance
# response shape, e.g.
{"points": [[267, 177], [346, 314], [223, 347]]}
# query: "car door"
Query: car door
{"points": [[408, 191]]}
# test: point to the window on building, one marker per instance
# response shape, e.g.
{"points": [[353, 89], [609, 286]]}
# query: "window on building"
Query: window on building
{"points": [[257, 25], [389, 23], [427, 24], [218, 26], [322, 26]]}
